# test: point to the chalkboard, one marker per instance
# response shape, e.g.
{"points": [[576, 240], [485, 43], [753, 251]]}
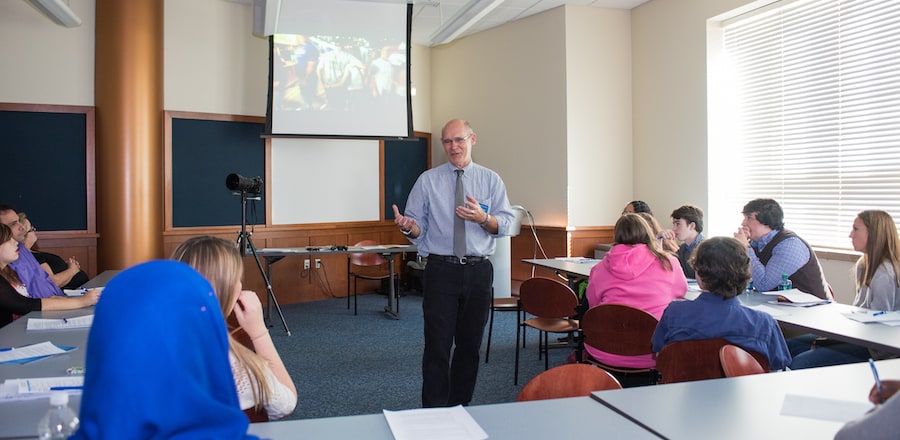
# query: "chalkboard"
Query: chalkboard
{"points": [[404, 160], [204, 153], [45, 157]]}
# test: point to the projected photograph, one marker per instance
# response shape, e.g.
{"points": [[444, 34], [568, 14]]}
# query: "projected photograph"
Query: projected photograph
{"points": [[338, 74]]}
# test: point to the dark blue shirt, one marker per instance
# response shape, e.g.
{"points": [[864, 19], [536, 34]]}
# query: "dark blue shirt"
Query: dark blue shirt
{"points": [[712, 316]]}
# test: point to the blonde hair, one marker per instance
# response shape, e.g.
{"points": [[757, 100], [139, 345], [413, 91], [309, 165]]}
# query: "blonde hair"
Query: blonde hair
{"points": [[220, 263], [882, 245]]}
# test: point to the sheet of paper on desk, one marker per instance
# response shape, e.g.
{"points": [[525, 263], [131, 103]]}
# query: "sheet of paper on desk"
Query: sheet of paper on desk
{"points": [[285, 250], [796, 298], [452, 423], [28, 353], [580, 260], [44, 384], [863, 315], [823, 409], [59, 324]]}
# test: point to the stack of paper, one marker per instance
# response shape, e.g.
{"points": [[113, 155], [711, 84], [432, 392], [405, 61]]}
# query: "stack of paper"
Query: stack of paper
{"points": [[866, 316], [453, 423], [795, 298], [84, 321], [29, 353], [39, 387]]}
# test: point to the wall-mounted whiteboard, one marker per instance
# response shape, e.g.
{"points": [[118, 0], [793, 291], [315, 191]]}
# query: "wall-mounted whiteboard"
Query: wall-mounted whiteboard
{"points": [[324, 181]]}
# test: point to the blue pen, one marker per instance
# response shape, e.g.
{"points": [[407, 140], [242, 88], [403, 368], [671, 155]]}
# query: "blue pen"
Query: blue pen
{"points": [[877, 380], [64, 388], [879, 313], [5, 348]]}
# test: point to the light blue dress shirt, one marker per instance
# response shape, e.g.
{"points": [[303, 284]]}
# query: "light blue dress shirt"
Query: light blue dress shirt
{"points": [[432, 205]]}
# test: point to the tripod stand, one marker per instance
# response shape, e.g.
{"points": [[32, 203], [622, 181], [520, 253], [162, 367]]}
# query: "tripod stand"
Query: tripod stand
{"points": [[244, 242]]}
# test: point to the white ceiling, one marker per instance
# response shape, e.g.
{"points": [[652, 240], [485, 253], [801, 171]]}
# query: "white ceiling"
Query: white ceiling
{"points": [[428, 15]]}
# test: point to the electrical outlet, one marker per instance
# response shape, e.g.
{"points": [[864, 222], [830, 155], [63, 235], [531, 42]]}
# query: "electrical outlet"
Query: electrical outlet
{"points": [[306, 264], [318, 263]]}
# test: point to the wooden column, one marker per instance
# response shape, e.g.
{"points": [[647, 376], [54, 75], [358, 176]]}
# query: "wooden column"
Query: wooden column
{"points": [[128, 95]]}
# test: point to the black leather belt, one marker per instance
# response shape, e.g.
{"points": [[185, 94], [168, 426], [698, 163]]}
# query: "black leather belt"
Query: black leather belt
{"points": [[468, 259]]}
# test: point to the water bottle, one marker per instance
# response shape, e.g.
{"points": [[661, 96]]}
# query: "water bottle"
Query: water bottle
{"points": [[785, 283], [60, 422]]}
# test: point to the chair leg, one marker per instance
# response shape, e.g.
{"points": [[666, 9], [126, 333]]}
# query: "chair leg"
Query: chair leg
{"points": [[518, 332], [546, 351], [349, 275], [355, 294]]}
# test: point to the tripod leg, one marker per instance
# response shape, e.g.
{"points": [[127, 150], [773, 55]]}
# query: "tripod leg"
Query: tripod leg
{"points": [[270, 294]]}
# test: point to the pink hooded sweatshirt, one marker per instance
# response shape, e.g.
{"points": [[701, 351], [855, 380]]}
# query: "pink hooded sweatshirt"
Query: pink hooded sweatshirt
{"points": [[631, 275]]}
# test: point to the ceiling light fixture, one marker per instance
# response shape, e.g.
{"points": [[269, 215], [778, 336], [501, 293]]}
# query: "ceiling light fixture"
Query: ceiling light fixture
{"points": [[57, 11], [460, 22]]}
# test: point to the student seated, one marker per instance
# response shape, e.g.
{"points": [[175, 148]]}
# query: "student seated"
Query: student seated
{"points": [[667, 244], [262, 380], [28, 269], [156, 364], [874, 233], [14, 299], [636, 206], [636, 273], [723, 270], [65, 274], [881, 423]]}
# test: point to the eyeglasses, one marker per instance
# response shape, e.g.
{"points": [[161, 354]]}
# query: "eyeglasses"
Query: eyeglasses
{"points": [[457, 140]]}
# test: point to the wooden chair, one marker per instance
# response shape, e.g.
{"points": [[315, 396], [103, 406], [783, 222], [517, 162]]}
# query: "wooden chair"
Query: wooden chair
{"points": [[367, 266], [621, 330], [738, 362], [510, 304], [570, 380], [686, 361], [551, 304]]}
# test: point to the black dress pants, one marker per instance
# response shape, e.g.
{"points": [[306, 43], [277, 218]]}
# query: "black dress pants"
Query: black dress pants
{"points": [[455, 308]]}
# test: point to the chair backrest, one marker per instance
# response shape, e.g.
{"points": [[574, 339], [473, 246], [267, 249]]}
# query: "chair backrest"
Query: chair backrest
{"points": [[367, 259], [737, 362], [685, 361], [569, 380], [547, 298], [619, 329]]}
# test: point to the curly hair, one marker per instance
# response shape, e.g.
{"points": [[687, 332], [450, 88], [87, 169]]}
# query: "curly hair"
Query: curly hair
{"points": [[722, 266]]}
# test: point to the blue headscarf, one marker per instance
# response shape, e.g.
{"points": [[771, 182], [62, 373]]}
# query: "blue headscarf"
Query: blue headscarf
{"points": [[157, 360]]}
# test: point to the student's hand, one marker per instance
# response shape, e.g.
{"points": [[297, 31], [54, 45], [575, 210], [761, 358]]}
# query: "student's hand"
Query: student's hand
{"points": [[667, 234], [888, 389], [743, 235], [248, 311], [90, 297], [73, 263]]}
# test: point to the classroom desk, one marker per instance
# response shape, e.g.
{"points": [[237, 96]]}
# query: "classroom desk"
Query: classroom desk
{"points": [[273, 255], [578, 417], [745, 407], [100, 280], [20, 418], [826, 320]]}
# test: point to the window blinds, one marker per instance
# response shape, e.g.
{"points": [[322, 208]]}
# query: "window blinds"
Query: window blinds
{"points": [[817, 112]]}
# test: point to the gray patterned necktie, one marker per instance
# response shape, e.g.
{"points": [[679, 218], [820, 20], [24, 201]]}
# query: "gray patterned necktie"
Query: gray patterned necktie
{"points": [[459, 225]]}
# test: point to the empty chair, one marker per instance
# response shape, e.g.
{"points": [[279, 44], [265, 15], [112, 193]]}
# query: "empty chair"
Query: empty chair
{"points": [[570, 380], [367, 266], [685, 361], [552, 304], [737, 362], [510, 304], [619, 330]]}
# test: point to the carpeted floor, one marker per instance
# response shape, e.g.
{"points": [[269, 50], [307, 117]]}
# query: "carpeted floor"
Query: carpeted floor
{"points": [[345, 365]]}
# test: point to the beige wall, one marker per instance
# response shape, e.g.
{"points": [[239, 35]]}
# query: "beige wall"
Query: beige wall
{"points": [[44, 63], [547, 100]]}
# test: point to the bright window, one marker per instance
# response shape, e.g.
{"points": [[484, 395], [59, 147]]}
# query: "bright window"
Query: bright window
{"points": [[805, 109]]}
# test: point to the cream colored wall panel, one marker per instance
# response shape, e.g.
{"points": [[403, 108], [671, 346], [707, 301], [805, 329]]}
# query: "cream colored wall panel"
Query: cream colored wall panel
{"points": [[510, 83], [213, 62], [44, 63], [598, 84]]}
